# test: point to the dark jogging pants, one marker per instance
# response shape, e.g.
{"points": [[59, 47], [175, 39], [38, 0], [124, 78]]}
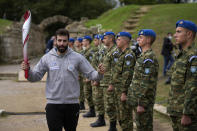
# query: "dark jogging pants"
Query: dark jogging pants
{"points": [[62, 115]]}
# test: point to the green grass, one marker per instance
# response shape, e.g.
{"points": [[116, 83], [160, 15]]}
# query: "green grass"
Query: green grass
{"points": [[3, 24], [114, 19]]}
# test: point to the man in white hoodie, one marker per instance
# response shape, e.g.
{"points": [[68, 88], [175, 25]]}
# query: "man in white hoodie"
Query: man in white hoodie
{"points": [[62, 87]]}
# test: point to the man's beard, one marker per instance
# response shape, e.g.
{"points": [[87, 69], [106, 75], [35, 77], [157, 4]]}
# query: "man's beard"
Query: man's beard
{"points": [[62, 49]]}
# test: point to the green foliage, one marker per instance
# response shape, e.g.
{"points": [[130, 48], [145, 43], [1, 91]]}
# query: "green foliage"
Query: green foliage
{"points": [[41, 9], [114, 19], [3, 24]]}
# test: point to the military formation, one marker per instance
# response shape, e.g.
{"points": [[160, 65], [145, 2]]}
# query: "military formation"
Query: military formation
{"points": [[128, 89]]}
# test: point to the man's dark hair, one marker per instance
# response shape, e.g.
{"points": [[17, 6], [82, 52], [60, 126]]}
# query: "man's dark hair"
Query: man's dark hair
{"points": [[62, 32]]}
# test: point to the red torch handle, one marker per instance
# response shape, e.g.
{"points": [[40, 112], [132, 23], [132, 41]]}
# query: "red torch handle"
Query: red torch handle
{"points": [[26, 71], [26, 74]]}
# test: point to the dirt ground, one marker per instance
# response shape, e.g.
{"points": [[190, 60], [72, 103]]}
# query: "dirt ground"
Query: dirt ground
{"points": [[27, 101]]}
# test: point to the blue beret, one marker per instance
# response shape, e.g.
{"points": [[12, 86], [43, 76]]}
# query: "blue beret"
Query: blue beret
{"points": [[186, 24], [97, 37], [71, 40], [80, 39], [101, 37], [108, 33], [127, 34], [147, 32], [88, 37]]}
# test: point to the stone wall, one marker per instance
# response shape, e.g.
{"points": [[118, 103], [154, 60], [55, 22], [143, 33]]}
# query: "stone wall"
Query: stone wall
{"points": [[11, 46], [50, 20], [78, 28]]}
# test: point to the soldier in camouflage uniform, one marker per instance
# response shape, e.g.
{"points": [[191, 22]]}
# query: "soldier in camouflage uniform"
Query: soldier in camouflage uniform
{"points": [[183, 93], [78, 44], [123, 66], [71, 43], [142, 90], [78, 49], [87, 83], [97, 91], [109, 98]]}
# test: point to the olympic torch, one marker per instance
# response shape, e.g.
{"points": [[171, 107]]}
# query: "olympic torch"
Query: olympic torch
{"points": [[25, 37]]}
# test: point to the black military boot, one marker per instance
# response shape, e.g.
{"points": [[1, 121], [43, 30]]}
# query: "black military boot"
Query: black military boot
{"points": [[90, 113], [99, 122], [112, 126], [82, 106]]}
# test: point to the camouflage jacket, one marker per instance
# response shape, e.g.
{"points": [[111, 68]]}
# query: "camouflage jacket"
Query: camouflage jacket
{"points": [[106, 60], [78, 51], [123, 67], [142, 90], [88, 54], [94, 63], [183, 91]]}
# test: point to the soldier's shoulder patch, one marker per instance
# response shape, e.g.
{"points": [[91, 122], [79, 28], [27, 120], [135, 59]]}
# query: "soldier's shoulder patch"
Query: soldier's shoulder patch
{"points": [[147, 70], [128, 63], [115, 53], [192, 57], [128, 58], [115, 60], [148, 60], [128, 55], [193, 69]]}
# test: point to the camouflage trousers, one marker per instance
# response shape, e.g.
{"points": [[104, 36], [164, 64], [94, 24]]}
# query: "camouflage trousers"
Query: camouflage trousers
{"points": [[109, 104], [81, 97], [88, 93], [124, 111], [144, 121], [98, 99], [176, 124]]}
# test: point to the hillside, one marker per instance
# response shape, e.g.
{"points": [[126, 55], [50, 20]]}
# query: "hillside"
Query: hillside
{"points": [[114, 19]]}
